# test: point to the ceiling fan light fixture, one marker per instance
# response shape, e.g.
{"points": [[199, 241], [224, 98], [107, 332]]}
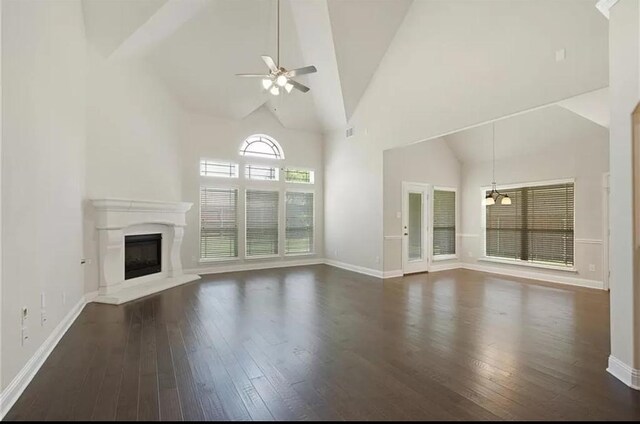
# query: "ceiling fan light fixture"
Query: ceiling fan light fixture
{"points": [[288, 86], [275, 90], [282, 80], [267, 83]]}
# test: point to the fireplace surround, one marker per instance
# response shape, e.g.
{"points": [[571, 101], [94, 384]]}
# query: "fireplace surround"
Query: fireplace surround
{"points": [[155, 230]]}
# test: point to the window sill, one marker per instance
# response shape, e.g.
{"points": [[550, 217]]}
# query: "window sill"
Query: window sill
{"points": [[217, 260], [294, 255], [251, 258], [529, 264], [438, 258]]}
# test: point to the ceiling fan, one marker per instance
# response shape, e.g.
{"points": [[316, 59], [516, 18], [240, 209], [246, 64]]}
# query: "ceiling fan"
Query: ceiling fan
{"points": [[278, 77]]}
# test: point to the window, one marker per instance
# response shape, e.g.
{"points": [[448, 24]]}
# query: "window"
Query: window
{"points": [[299, 223], [537, 227], [298, 176], [444, 222], [218, 223], [210, 168], [262, 222], [262, 146], [267, 173]]}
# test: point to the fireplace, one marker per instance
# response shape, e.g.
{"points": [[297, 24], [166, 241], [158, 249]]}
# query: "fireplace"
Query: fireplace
{"points": [[142, 255]]}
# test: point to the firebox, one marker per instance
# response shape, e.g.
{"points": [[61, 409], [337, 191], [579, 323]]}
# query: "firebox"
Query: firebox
{"points": [[142, 255]]}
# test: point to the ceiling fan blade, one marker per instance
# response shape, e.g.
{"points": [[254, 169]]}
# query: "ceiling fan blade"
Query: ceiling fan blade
{"points": [[301, 71], [270, 63], [299, 86], [253, 75]]}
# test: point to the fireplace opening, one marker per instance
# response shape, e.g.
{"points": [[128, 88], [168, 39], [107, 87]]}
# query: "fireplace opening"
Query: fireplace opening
{"points": [[142, 255]]}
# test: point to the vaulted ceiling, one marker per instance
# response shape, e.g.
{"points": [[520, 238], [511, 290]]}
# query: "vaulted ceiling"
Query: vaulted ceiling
{"points": [[522, 135], [197, 46]]}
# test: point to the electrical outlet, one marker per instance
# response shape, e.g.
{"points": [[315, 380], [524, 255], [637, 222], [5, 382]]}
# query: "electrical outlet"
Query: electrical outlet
{"points": [[377, 259], [470, 254], [399, 215], [43, 309], [592, 267], [24, 335], [64, 297], [561, 55], [335, 252], [24, 332]]}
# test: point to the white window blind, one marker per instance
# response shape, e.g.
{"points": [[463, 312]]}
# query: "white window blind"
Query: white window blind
{"points": [[298, 176], [218, 223], [266, 173], [262, 222], [444, 222], [537, 227], [209, 168], [299, 223]]}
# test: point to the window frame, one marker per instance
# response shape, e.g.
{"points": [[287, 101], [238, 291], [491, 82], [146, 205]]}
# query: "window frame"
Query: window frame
{"points": [[246, 167], [236, 165], [239, 229], [519, 262], [312, 175], [247, 142], [455, 255], [284, 227]]}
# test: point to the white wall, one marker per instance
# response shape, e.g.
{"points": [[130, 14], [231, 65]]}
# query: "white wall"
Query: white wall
{"points": [[353, 200], [133, 130], [585, 159], [430, 162], [462, 63], [133, 142], [624, 59], [219, 138], [43, 135]]}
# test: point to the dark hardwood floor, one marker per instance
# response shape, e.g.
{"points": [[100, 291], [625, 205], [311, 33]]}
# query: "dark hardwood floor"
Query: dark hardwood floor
{"points": [[318, 342]]}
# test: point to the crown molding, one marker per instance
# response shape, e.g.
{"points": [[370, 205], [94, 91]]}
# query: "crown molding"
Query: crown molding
{"points": [[605, 5]]}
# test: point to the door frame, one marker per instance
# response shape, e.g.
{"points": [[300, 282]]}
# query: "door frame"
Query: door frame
{"points": [[426, 189]]}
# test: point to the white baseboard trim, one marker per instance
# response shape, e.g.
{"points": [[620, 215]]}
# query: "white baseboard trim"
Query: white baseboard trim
{"points": [[355, 268], [623, 372], [252, 266], [532, 275], [393, 274], [12, 392], [435, 267]]}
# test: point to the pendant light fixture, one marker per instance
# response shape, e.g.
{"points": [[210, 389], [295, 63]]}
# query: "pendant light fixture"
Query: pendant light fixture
{"points": [[494, 195]]}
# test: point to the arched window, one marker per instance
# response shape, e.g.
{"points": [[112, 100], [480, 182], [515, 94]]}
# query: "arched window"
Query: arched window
{"points": [[263, 146]]}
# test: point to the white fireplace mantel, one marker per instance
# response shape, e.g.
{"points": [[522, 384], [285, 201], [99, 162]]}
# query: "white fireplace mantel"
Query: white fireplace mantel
{"points": [[117, 218]]}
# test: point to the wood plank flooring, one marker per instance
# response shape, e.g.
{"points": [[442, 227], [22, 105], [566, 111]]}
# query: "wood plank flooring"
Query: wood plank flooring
{"points": [[320, 343]]}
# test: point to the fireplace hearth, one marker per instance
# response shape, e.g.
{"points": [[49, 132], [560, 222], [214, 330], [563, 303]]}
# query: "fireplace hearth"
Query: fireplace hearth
{"points": [[142, 255]]}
